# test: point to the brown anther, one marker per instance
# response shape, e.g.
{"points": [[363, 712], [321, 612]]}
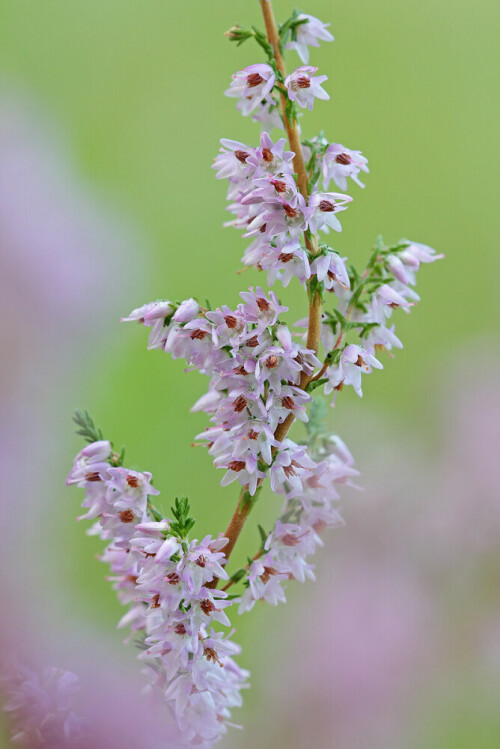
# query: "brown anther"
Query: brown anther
{"points": [[393, 305], [289, 470], [252, 434], [313, 482], [231, 321], [241, 156], [343, 158], [320, 525], [254, 79], [267, 155], [299, 359], [201, 561], [240, 404], [262, 304], [326, 206], [173, 578], [287, 402], [156, 601], [303, 82], [211, 655], [180, 629], [279, 185], [240, 370], [339, 387], [93, 477], [198, 334], [271, 361], [126, 516], [149, 555], [268, 572], [285, 257], [253, 342], [263, 228], [360, 362], [132, 579], [207, 606], [332, 275], [236, 465], [290, 212], [290, 540], [132, 481]]}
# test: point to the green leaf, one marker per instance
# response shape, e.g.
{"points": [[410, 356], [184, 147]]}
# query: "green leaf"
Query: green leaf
{"points": [[316, 384], [366, 327], [315, 287], [238, 575], [87, 429], [263, 536]]}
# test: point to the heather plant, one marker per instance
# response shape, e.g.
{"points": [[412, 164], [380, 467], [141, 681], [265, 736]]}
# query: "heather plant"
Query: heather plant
{"points": [[179, 591]]}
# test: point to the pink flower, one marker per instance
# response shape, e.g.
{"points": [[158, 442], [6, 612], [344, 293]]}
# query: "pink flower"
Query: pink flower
{"points": [[252, 86], [303, 88], [325, 206], [354, 360], [339, 163], [330, 270], [308, 34]]}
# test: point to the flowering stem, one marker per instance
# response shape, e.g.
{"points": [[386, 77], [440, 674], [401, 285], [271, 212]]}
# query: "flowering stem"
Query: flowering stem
{"points": [[246, 502]]}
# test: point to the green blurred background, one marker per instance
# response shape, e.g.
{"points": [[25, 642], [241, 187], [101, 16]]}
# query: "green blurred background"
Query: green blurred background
{"points": [[136, 89]]}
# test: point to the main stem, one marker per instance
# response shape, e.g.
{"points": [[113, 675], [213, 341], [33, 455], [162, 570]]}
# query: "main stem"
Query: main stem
{"points": [[245, 503]]}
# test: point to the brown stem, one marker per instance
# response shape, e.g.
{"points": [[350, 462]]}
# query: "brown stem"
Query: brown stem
{"points": [[321, 371], [237, 521], [246, 567]]}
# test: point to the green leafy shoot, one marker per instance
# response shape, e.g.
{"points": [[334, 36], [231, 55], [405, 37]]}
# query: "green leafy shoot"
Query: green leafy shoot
{"points": [[86, 427], [183, 522]]}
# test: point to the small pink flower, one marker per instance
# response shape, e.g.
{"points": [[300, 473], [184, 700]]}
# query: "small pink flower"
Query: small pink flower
{"points": [[303, 87], [252, 86]]}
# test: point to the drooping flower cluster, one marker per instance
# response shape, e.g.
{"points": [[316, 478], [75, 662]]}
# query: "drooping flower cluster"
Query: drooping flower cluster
{"points": [[260, 381], [40, 706], [308, 511], [163, 578]]}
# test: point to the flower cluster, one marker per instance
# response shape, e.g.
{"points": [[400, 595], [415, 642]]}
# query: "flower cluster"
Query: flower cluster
{"points": [[367, 308], [40, 706], [256, 369], [165, 580], [268, 206], [308, 511]]}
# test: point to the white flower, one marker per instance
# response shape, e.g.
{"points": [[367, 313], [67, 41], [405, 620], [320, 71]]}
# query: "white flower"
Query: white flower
{"points": [[304, 88], [307, 34]]}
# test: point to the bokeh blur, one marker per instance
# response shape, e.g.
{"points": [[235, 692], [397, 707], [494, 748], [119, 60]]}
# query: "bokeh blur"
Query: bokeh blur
{"points": [[110, 115]]}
